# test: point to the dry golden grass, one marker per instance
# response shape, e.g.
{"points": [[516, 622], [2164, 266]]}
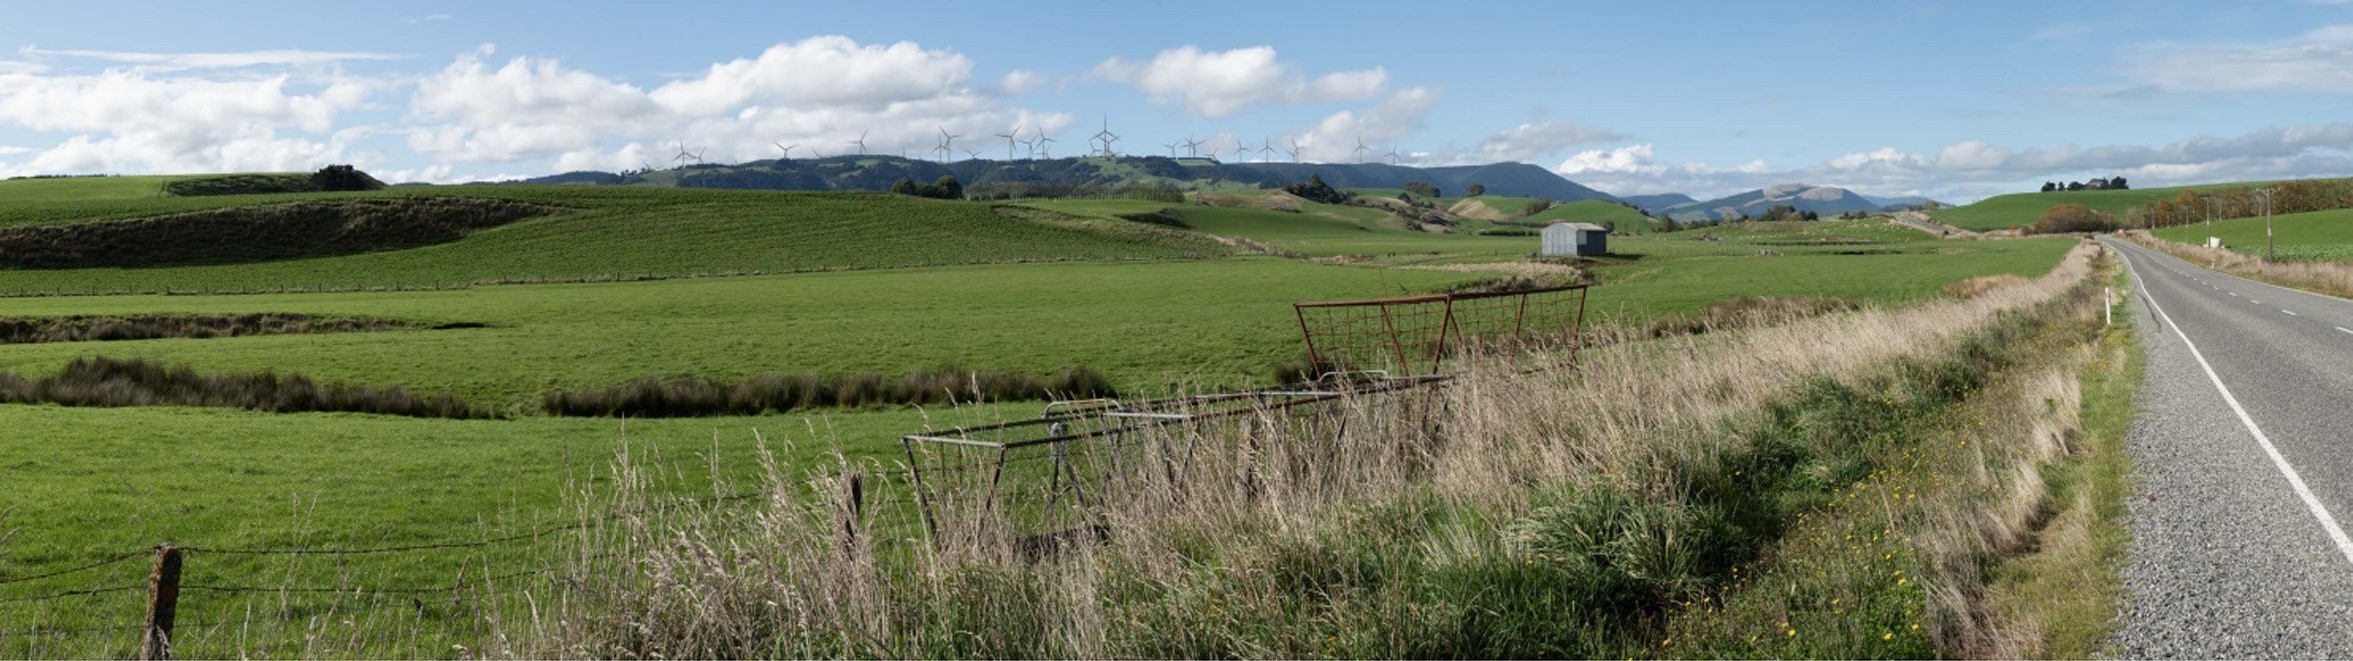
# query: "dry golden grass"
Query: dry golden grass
{"points": [[1972, 287], [2330, 278]]}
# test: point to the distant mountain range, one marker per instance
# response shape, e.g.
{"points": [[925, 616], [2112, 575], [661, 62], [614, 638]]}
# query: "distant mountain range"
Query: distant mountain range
{"points": [[879, 173], [1824, 200]]}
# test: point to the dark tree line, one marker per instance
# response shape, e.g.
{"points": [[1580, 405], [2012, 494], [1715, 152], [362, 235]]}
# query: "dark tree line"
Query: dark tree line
{"points": [[2095, 183], [944, 188]]}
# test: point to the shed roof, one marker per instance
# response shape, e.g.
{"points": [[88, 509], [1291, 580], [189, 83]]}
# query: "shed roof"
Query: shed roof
{"points": [[1583, 227]]}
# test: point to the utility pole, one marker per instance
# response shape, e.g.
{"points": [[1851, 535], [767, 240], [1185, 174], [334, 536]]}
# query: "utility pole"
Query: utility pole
{"points": [[2268, 255]]}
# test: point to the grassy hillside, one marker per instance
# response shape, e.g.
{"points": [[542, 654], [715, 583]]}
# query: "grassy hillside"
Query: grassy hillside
{"points": [[621, 232], [2321, 236], [1597, 212], [2019, 209]]}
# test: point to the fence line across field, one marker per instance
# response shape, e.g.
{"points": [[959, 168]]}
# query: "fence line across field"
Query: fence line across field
{"points": [[1367, 350]]}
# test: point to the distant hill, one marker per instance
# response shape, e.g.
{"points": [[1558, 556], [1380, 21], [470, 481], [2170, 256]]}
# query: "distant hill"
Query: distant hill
{"points": [[2018, 209], [1657, 203], [1598, 212], [1897, 203], [1824, 200], [878, 173]]}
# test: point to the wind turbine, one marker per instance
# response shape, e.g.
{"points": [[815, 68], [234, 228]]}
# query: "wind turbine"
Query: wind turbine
{"points": [[947, 142], [861, 143], [788, 149], [1294, 150], [1392, 154], [1105, 136], [971, 154], [1192, 147], [1009, 140], [1266, 150], [680, 159], [1360, 149], [1045, 144]]}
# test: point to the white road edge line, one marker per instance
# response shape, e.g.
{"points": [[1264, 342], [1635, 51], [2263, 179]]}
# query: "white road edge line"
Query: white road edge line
{"points": [[2347, 330], [2295, 481], [2291, 313]]}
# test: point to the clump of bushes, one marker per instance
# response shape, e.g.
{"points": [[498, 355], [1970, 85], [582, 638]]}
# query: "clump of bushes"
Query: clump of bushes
{"points": [[1315, 190], [83, 328], [2072, 217], [98, 381], [777, 393]]}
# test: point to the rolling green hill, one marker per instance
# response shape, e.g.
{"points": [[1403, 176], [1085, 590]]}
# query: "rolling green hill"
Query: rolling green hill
{"points": [[1597, 212], [2020, 209], [626, 232]]}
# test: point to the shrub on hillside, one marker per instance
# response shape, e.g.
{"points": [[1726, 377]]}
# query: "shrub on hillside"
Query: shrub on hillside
{"points": [[1315, 190], [2073, 217]]}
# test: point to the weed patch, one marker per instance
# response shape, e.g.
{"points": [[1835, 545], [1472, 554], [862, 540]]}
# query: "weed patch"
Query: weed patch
{"points": [[777, 393], [88, 328], [102, 381]]}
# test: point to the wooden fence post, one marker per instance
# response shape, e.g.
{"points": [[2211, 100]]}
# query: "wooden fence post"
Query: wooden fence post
{"points": [[163, 604], [851, 509]]}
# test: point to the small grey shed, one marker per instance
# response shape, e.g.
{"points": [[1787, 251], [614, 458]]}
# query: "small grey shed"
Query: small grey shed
{"points": [[1575, 240]]}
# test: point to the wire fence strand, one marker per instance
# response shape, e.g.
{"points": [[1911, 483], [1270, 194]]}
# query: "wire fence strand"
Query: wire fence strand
{"points": [[73, 570]]}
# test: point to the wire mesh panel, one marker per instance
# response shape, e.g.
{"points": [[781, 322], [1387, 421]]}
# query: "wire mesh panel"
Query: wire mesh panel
{"points": [[1415, 335]]}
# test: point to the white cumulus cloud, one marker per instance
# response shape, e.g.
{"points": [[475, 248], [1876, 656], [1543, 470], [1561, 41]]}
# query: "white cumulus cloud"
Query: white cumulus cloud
{"points": [[1221, 83]]}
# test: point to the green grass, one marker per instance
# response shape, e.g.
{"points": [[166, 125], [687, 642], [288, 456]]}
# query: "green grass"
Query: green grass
{"points": [[1220, 322], [84, 189], [620, 232], [1628, 221], [2021, 209], [1119, 297], [2320, 236]]}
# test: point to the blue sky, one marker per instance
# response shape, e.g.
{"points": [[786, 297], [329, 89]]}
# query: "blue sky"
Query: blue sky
{"points": [[1956, 100]]}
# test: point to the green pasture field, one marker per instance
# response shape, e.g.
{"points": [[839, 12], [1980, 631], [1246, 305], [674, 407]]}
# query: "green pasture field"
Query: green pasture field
{"points": [[625, 232], [84, 189], [2020, 209], [1225, 322], [2319, 236], [87, 483]]}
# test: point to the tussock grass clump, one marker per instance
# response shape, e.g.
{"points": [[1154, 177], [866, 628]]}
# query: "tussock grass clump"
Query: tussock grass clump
{"points": [[259, 233], [1612, 510], [100, 381], [95, 328], [777, 393]]}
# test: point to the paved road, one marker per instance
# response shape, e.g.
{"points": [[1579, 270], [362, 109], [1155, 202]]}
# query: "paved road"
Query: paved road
{"points": [[2243, 459]]}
